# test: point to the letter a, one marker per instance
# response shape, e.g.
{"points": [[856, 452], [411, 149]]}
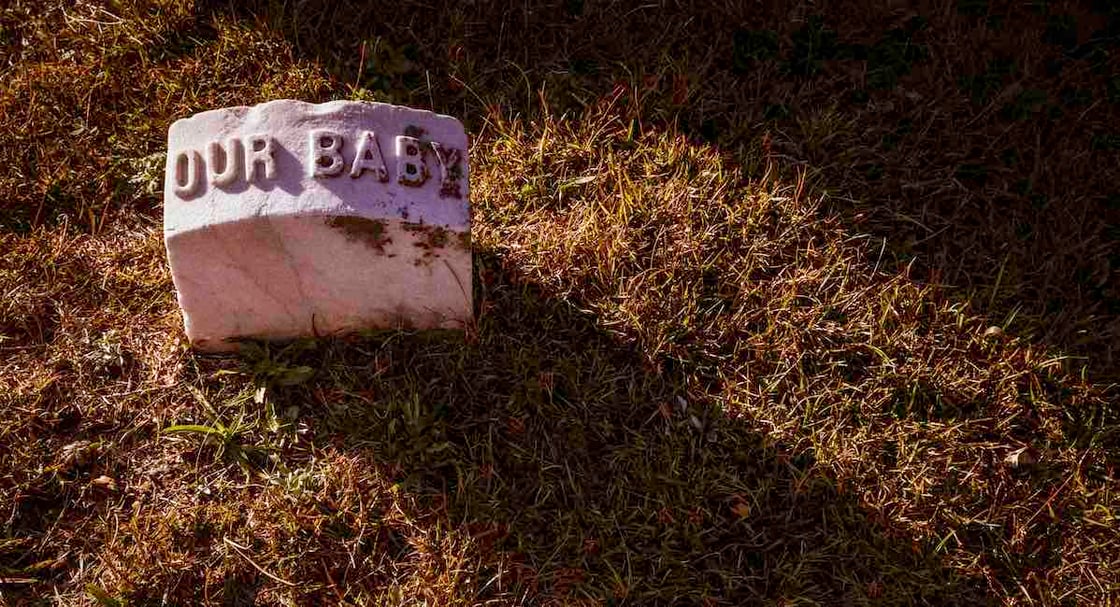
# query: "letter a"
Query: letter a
{"points": [[369, 158]]}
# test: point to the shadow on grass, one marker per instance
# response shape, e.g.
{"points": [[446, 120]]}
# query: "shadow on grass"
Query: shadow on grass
{"points": [[584, 474], [972, 147], [588, 473]]}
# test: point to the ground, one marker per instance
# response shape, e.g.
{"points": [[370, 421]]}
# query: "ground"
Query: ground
{"points": [[805, 304]]}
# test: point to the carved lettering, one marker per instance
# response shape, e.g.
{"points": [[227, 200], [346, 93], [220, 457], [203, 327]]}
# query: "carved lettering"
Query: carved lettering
{"points": [[369, 158], [449, 170], [411, 170], [259, 151], [324, 153], [187, 177], [224, 163]]}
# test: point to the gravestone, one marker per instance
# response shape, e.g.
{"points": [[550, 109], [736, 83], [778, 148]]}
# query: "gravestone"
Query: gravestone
{"points": [[292, 219]]}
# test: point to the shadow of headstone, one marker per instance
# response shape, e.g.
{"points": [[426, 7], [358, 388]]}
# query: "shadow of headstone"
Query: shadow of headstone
{"points": [[984, 165], [582, 471]]}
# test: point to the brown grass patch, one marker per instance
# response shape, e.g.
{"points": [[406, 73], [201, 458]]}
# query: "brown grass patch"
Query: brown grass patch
{"points": [[738, 273]]}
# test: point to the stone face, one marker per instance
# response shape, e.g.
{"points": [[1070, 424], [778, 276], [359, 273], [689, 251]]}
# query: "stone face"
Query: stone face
{"points": [[290, 219]]}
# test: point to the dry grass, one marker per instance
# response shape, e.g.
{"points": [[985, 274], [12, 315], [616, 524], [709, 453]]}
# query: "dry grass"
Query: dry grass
{"points": [[738, 271]]}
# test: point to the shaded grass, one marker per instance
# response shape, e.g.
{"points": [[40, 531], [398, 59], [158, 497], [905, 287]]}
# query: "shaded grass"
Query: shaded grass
{"points": [[698, 375], [969, 141]]}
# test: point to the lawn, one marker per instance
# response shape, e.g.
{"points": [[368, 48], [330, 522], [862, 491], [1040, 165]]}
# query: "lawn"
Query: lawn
{"points": [[805, 304]]}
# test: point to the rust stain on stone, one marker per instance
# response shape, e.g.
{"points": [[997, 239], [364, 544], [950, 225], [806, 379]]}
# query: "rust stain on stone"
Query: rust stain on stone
{"points": [[433, 239], [369, 232]]}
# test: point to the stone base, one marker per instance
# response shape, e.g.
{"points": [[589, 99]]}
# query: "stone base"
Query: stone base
{"points": [[279, 277]]}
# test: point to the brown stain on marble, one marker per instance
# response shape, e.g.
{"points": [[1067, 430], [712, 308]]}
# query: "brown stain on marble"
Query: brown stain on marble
{"points": [[433, 239], [370, 232]]}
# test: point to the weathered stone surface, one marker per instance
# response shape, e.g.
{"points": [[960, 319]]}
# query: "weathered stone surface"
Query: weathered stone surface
{"points": [[290, 219]]}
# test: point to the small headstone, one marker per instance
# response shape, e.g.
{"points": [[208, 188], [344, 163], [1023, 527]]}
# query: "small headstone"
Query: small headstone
{"points": [[290, 219]]}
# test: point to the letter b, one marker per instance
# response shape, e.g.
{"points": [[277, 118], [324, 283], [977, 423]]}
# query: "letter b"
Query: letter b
{"points": [[325, 157]]}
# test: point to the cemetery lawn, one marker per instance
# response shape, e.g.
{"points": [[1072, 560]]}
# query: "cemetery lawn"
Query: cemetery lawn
{"points": [[803, 306]]}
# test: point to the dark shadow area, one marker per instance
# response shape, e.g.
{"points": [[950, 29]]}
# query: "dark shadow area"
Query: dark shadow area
{"points": [[974, 143], [579, 471], [597, 476], [586, 471]]}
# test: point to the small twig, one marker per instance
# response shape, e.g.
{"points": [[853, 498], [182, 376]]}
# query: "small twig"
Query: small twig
{"points": [[1053, 495], [431, 99], [140, 391], [239, 550], [330, 579], [361, 65]]}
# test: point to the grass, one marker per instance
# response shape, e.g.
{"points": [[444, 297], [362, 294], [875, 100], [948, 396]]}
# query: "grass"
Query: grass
{"points": [[791, 305]]}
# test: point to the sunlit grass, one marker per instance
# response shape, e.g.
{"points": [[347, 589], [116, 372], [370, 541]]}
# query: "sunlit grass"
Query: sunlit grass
{"points": [[705, 369]]}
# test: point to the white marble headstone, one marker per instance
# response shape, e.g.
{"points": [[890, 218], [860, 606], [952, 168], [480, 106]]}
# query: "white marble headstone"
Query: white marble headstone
{"points": [[291, 219]]}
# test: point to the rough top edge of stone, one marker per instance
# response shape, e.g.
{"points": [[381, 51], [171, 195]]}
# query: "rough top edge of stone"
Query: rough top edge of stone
{"points": [[168, 234], [316, 108]]}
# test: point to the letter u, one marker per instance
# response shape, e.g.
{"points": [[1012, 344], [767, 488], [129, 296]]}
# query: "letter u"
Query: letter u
{"points": [[224, 164]]}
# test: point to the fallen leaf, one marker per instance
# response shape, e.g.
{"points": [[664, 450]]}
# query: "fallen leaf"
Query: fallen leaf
{"points": [[1020, 458], [741, 510]]}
